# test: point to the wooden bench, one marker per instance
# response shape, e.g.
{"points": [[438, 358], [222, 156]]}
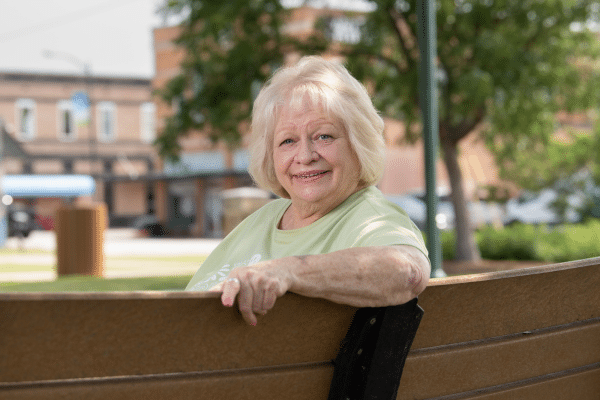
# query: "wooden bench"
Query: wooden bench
{"points": [[525, 334]]}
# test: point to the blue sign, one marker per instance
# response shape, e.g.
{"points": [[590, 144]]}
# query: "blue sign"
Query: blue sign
{"points": [[81, 108]]}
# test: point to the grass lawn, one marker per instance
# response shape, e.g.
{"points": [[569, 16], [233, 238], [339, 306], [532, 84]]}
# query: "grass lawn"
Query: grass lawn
{"points": [[92, 284], [152, 273], [6, 250]]}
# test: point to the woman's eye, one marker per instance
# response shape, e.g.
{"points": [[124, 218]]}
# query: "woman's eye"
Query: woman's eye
{"points": [[287, 141], [324, 136]]}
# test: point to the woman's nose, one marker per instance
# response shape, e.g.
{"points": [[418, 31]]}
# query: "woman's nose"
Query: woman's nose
{"points": [[306, 152]]}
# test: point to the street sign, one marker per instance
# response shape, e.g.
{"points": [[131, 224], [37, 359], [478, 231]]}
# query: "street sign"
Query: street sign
{"points": [[81, 108]]}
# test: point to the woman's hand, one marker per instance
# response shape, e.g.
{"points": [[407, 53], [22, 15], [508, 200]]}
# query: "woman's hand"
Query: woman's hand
{"points": [[256, 288]]}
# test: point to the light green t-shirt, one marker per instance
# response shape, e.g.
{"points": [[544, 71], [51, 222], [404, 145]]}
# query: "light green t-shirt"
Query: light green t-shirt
{"points": [[364, 219]]}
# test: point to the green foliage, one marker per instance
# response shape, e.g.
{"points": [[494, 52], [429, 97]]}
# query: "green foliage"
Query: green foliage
{"points": [[448, 244], [231, 47], [568, 243], [514, 63], [505, 66], [517, 242], [534, 243]]}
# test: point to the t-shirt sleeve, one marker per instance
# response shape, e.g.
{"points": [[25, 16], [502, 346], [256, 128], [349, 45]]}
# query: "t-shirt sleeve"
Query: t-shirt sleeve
{"points": [[390, 229]]}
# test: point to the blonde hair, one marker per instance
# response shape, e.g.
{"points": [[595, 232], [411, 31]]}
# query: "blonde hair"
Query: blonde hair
{"points": [[341, 96]]}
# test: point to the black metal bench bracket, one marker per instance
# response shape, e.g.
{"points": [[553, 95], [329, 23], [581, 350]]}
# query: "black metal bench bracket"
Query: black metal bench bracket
{"points": [[372, 355]]}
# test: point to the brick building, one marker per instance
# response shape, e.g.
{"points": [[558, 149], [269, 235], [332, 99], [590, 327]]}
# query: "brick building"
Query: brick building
{"points": [[114, 146]]}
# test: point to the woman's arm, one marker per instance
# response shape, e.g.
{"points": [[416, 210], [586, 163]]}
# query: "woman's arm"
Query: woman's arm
{"points": [[362, 277]]}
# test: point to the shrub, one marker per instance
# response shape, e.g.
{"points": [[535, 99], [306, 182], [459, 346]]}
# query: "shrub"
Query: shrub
{"points": [[517, 242], [448, 244], [561, 243], [570, 242]]}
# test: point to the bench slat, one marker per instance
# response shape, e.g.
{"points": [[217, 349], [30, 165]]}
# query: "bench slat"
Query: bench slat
{"points": [[83, 337], [481, 331], [496, 362], [581, 386], [476, 307], [308, 383]]}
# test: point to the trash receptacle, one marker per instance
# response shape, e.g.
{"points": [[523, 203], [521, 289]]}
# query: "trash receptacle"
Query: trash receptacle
{"points": [[240, 202], [80, 239]]}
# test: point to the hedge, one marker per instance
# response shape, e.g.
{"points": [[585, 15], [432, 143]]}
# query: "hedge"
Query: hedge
{"points": [[533, 242]]}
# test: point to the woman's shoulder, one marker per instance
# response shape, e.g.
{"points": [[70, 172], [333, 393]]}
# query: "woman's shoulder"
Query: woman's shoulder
{"points": [[273, 205], [372, 199], [258, 221], [269, 210]]}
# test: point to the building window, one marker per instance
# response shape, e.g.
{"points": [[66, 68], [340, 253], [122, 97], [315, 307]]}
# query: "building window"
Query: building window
{"points": [[26, 119], [147, 122], [67, 129], [107, 118], [344, 29]]}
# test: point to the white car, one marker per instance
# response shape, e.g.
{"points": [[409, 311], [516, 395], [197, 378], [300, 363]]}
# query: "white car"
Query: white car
{"points": [[537, 209]]}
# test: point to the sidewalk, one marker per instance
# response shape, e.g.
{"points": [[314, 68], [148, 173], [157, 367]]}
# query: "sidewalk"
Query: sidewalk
{"points": [[123, 243]]}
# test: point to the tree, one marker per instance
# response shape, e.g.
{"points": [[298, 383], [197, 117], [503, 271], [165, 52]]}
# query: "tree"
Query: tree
{"points": [[231, 48], [506, 67]]}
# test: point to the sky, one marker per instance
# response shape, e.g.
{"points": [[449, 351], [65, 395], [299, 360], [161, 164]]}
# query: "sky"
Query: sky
{"points": [[114, 37]]}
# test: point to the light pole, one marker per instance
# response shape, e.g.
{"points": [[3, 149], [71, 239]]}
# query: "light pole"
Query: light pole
{"points": [[87, 79], [427, 29]]}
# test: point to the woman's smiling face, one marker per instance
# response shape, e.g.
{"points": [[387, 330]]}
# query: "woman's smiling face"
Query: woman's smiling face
{"points": [[313, 158]]}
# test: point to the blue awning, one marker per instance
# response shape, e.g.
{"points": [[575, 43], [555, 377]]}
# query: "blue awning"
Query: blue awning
{"points": [[48, 185]]}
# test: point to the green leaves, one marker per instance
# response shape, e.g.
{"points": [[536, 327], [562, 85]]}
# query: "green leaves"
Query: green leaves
{"points": [[229, 47], [511, 63]]}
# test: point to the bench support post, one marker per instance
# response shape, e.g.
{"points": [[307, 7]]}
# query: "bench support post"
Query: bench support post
{"points": [[371, 359]]}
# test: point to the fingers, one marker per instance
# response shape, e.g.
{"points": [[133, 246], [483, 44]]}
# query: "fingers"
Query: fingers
{"points": [[245, 304], [256, 293], [231, 287], [269, 296], [250, 298]]}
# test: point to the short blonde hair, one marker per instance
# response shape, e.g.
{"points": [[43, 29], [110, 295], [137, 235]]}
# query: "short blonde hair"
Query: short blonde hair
{"points": [[331, 86]]}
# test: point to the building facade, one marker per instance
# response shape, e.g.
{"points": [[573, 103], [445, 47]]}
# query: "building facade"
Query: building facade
{"points": [[100, 126]]}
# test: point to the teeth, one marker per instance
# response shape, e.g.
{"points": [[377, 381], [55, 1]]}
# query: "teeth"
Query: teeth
{"points": [[310, 175]]}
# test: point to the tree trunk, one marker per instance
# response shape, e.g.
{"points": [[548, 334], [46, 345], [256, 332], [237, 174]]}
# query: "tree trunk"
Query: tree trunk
{"points": [[466, 248]]}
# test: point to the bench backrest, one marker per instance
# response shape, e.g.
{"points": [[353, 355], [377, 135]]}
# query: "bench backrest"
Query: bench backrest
{"points": [[527, 334]]}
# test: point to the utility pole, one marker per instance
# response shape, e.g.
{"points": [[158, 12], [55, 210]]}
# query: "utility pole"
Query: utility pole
{"points": [[88, 85]]}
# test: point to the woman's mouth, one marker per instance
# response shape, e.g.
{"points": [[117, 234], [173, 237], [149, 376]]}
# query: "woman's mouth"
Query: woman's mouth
{"points": [[309, 175]]}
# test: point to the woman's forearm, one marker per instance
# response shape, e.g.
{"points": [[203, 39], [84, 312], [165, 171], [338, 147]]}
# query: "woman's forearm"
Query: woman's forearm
{"points": [[362, 277]]}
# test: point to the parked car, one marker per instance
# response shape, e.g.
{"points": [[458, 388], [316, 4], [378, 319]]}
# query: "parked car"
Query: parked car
{"points": [[536, 208], [149, 226], [21, 220], [416, 209], [481, 213]]}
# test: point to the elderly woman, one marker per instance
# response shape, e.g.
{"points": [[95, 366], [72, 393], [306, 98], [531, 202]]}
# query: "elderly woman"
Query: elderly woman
{"points": [[317, 142]]}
